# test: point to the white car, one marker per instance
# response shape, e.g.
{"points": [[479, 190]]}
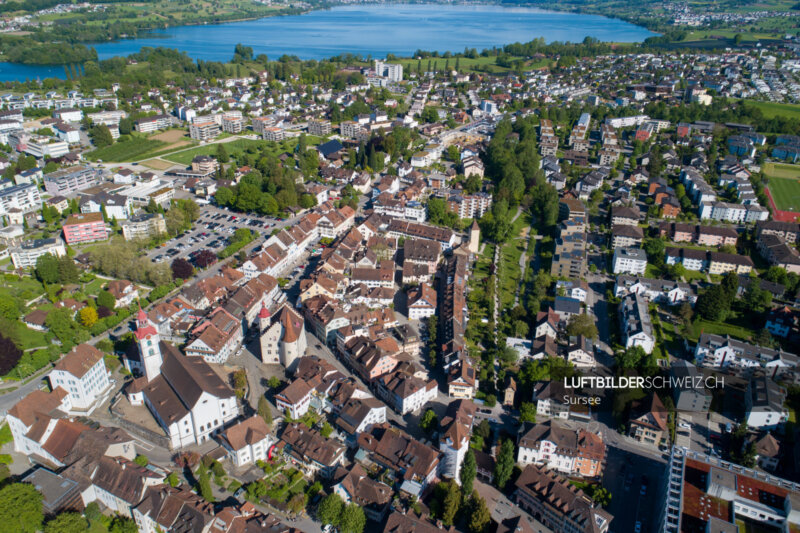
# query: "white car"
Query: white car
{"points": [[638, 527], [684, 425]]}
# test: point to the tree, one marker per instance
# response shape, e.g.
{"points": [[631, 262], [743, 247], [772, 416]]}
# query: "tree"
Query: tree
{"points": [[527, 412], [505, 464], [10, 354], [307, 201], [222, 153], [66, 523], [205, 258], [755, 298], [67, 271], [122, 524], [88, 316], [101, 136], [479, 516], [172, 480], [9, 309], [181, 268], [654, 248], [264, 410], [106, 299], [330, 509], [601, 496], [141, 460], [326, 430], [352, 519], [21, 508], [174, 221], [469, 470], [47, 268], [429, 421], [204, 484], [713, 304], [582, 324]]}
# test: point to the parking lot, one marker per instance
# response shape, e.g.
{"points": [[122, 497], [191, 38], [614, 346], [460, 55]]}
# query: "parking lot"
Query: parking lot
{"points": [[212, 231]]}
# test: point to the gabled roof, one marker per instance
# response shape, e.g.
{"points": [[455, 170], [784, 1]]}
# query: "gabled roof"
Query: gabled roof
{"points": [[79, 360]]}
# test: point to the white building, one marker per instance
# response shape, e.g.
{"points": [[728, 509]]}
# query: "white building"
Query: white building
{"points": [[83, 374], [630, 261], [248, 441], [26, 254], [185, 395], [294, 399], [637, 330], [283, 336], [25, 197]]}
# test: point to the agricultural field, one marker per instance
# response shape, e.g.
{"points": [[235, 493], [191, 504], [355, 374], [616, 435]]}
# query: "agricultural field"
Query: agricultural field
{"points": [[773, 109], [465, 64], [131, 150]]}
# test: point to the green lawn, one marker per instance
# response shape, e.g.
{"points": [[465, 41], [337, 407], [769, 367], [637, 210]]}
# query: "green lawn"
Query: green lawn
{"points": [[702, 325], [781, 170], [24, 288], [774, 109], [785, 193], [130, 150], [234, 147]]}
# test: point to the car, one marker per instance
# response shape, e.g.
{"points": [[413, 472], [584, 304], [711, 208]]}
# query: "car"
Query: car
{"points": [[643, 490], [637, 528], [684, 425], [728, 427]]}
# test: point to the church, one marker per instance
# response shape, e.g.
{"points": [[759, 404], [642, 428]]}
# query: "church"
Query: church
{"points": [[184, 394], [283, 337]]}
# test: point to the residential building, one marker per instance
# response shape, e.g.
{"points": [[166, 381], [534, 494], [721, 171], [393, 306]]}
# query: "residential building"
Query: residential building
{"points": [[715, 351], [570, 452], [82, 373], [557, 504], [28, 252], [143, 226], [637, 330], [295, 399], [85, 227], [764, 404], [656, 290], [413, 464], [355, 486], [629, 261], [25, 198], [626, 235], [247, 441], [69, 180], [688, 391], [648, 421], [311, 449], [204, 131]]}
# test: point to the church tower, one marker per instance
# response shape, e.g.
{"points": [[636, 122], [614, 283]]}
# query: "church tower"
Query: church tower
{"points": [[474, 238], [147, 338]]}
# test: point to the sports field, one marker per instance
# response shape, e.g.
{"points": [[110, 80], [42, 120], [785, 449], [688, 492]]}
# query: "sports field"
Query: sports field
{"points": [[785, 193], [781, 170]]}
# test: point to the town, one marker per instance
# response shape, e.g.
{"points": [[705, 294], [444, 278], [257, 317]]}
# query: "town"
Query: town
{"points": [[404, 294]]}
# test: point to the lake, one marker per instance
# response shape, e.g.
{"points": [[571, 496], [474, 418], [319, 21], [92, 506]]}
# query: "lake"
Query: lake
{"points": [[374, 30]]}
